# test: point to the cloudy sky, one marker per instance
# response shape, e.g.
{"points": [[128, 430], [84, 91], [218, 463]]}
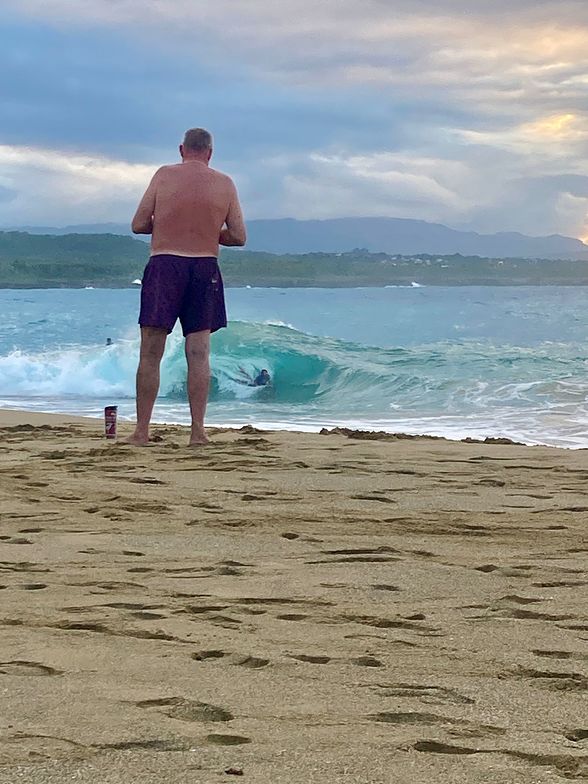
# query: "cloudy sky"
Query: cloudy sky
{"points": [[426, 109]]}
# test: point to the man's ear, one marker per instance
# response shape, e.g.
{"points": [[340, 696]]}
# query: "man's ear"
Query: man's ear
{"points": [[181, 149], [209, 154]]}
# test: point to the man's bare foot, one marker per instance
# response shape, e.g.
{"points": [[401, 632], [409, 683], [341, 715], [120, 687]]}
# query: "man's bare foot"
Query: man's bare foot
{"points": [[137, 439], [198, 437]]}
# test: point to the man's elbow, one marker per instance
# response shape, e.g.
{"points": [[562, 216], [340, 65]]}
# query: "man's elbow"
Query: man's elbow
{"points": [[233, 238], [239, 235], [141, 226]]}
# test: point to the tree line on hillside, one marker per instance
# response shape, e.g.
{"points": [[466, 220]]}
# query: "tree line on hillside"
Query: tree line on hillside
{"points": [[108, 260]]}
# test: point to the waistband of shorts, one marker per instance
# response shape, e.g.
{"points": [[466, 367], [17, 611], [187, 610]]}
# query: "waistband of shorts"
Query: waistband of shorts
{"points": [[176, 257]]}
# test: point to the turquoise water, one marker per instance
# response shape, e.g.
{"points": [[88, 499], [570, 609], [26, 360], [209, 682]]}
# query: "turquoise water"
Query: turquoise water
{"points": [[472, 361]]}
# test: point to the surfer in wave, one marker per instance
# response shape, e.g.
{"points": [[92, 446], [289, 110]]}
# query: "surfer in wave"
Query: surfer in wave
{"points": [[262, 379]]}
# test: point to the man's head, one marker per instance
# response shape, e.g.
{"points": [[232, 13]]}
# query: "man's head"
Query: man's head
{"points": [[197, 145]]}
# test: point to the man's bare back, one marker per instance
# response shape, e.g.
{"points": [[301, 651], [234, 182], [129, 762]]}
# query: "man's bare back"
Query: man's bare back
{"points": [[185, 209]]}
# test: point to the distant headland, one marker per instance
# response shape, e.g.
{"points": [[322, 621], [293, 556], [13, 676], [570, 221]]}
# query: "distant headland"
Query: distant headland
{"points": [[378, 235], [108, 260]]}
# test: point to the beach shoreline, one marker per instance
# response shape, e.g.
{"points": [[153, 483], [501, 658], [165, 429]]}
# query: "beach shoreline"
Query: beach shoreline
{"points": [[15, 416], [296, 606]]}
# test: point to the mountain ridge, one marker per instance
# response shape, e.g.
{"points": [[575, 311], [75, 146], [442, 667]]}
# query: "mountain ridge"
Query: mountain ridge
{"points": [[110, 260], [385, 235]]}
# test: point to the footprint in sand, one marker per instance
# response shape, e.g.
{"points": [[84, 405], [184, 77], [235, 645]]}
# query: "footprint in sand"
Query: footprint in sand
{"points": [[148, 616], [434, 747], [470, 728], [146, 745], [310, 659], [292, 617], [249, 662], [358, 559], [531, 615], [26, 749], [147, 481], [108, 585], [27, 668], [561, 584], [146, 507], [567, 765], [187, 710], [361, 551], [547, 654], [367, 661], [434, 695], [506, 571], [554, 681], [577, 735], [373, 497], [15, 540], [206, 655], [227, 740], [412, 623], [21, 566], [132, 606]]}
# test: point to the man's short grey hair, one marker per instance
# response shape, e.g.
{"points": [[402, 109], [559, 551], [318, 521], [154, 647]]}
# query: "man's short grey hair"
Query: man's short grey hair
{"points": [[197, 139]]}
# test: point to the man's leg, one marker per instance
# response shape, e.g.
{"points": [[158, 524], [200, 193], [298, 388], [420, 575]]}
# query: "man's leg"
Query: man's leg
{"points": [[152, 348], [197, 354]]}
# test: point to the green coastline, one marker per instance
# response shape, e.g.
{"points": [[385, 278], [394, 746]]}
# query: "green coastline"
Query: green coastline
{"points": [[113, 261]]}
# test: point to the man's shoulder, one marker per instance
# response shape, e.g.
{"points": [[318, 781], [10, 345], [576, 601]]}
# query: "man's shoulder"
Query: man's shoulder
{"points": [[221, 176], [163, 173], [168, 168], [173, 171]]}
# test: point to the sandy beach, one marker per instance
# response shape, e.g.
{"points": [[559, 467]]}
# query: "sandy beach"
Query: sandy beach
{"points": [[289, 607]]}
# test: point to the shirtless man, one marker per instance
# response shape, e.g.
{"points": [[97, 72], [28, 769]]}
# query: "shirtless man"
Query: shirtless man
{"points": [[189, 209]]}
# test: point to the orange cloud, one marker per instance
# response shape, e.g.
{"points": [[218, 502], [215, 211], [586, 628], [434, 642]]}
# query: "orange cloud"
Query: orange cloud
{"points": [[556, 126]]}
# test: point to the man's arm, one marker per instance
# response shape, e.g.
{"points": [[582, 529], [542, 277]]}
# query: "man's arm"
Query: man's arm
{"points": [[235, 234], [143, 220]]}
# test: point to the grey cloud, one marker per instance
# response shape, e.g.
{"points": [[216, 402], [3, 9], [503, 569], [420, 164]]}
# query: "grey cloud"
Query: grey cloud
{"points": [[334, 77], [536, 206], [496, 56], [574, 184]]}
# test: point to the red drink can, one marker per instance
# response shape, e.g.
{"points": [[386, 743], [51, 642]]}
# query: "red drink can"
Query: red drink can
{"points": [[110, 421]]}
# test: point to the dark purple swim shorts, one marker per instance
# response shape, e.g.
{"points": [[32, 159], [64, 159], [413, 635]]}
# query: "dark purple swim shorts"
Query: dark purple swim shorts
{"points": [[188, 288]]}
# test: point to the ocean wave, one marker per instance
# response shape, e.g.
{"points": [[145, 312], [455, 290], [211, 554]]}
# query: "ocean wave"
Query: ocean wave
{"points": [[331, 375]]}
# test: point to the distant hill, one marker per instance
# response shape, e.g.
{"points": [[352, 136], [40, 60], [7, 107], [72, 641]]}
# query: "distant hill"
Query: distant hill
{"points": [[120, 229], [395, 235], [385, 235], [108, 260], [36, 260]]}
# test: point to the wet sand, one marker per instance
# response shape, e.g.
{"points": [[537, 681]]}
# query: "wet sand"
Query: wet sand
{"points": [[297, 607]]}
